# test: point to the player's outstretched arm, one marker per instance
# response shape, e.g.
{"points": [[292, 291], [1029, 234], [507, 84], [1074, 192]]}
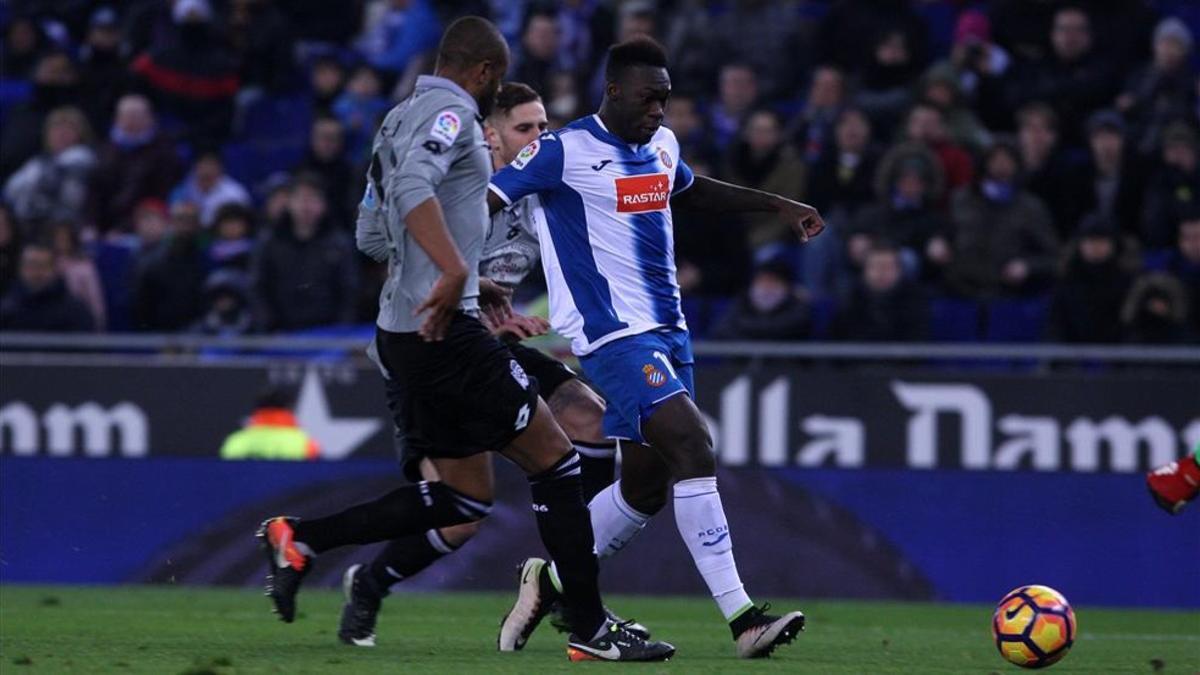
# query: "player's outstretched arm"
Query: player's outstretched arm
{"points": [[710, 194], [427, 226]]}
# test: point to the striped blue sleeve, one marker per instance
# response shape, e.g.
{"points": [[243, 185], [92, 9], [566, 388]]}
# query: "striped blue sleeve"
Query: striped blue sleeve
{"points": [[683, 177], [537, 168]]}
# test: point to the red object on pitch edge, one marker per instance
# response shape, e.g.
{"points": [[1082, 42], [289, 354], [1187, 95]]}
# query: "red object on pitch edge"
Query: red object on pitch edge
{"points": [[1175, 484]]}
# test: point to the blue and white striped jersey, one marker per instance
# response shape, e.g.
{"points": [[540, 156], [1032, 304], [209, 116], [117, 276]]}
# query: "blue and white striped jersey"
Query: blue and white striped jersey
{"points": [[606, 238]]}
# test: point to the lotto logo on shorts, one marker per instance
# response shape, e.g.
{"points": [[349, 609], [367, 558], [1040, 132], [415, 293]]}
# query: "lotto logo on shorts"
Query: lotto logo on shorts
{"points": [[654, 376], [639, 194], [518, 373]]}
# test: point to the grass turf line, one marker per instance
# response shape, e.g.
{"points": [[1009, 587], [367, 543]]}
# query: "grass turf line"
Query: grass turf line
{"points": [[198, 630]]}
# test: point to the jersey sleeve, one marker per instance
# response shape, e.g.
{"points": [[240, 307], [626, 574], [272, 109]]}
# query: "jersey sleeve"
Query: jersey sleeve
{"points": [[537, 168], [683, 177], [441, 139]]}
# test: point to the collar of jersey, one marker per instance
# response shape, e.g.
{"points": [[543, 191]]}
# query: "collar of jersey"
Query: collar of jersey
{"points": [[595, 126], [435, 82]]}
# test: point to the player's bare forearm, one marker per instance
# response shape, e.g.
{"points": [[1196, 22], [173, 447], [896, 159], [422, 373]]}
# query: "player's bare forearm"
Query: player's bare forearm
{"points": [[712, 195], [427, 226]]}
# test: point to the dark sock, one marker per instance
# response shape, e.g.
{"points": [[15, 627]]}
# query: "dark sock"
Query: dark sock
{"points": [[743, 621], [412, 509], [403, 558], [598, 465], [566, 530]]}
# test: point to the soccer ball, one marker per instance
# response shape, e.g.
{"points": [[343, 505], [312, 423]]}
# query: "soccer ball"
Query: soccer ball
{"points": [[1034, 626]]}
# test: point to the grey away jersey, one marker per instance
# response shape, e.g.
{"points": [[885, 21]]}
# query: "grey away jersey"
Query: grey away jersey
{"points": [[511, 249], [430, 145]]}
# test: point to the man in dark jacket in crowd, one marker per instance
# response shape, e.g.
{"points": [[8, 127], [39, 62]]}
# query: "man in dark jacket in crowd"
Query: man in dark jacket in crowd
{"points": [[326, 159], [168, 293], [1174, 190], [40, 301], [1087, 302], [1111, 182], [884, 306], [136, 163], [306, 274], [769, 310]]}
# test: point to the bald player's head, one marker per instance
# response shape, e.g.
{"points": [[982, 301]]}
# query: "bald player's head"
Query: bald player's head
{"points": [[474, 54]]}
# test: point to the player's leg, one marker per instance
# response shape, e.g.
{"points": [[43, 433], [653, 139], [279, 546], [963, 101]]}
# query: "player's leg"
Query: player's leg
{"points": [[676, 429], [580, 412], [545, 453], [1176, 484]]}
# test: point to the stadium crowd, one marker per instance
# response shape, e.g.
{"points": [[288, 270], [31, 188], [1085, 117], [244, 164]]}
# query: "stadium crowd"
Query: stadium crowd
{"points": [[1003, 170]]}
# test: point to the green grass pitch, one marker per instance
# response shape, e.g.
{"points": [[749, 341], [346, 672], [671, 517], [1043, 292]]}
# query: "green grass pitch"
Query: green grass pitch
{"points": [[193, 630]]}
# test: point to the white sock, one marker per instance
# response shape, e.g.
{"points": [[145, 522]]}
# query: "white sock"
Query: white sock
{"points": [[614, 523], [701, 521]]}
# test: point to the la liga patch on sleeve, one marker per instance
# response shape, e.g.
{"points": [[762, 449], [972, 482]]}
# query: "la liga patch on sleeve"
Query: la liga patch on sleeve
{"points": [[527, 153], [446, 127]]}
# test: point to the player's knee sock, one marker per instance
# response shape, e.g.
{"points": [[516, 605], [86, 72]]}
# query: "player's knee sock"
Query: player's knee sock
{"points": [[403, 558], [566, 530], [614, 523], [411, 509], [598, 462], [701, 521]]}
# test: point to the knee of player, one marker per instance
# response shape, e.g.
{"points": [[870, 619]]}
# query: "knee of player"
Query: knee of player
{"points": [[458, 535], [580, 413], [646, 498], [456, 507]]}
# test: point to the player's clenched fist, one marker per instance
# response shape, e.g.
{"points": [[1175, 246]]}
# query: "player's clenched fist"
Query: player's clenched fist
{"points": [[804, 219]]}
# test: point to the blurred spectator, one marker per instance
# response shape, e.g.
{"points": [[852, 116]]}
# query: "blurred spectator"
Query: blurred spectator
{"points": [[710, 252], [1002, 241], [813, 129], [78, 271], [272, 432], [233, 241], [306, 274], [401, 31], [322, 21], [151, 223], [55, 84], [683, 118], [169, 275], [326, 159], [227, 302], [39, 300], [1163, 90], [10, 249], [909, 187], [980, 65], [209, 187], [1087, 302], [841, 182], [275, 196], [926, 124], [360, 108], [1156, 311], [1074, 79], [884, 306], [850, 24], [23, 43], [193, 76], [538, 55], [1174, 188], [940, 88], [768, 310], [884, 88], [137, 162], [104, 72], [325, 80], [1184, 263], [762, 159], [736, 97], [563, 100], [1048, 174], [585, 31], [634, 18], [261, 36], [1111, 182], [53, 185]]}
